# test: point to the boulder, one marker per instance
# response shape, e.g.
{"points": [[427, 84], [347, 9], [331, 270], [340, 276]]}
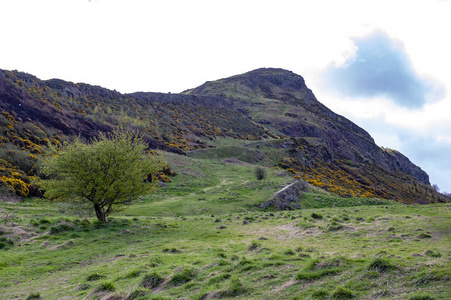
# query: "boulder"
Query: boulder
{"points": [[288, 197]]}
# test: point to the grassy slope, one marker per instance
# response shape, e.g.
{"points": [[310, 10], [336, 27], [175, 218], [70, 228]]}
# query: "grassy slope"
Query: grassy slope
{"points": [[192, 235]]}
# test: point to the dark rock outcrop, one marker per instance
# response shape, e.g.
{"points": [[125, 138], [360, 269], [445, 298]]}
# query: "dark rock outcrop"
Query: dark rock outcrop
{"points": [[288, 197]]}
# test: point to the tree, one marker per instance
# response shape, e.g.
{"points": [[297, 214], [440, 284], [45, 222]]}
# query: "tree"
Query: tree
{"points": [[106, 173]]}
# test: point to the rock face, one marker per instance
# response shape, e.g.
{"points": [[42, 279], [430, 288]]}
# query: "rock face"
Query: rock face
{"points": [[288, 197]]}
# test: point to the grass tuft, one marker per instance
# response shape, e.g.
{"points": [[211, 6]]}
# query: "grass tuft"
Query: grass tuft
{"points": [[342, 293], [381, 265], [151, 280], [136, 294], [106, 286], [234, 289], [95, 276], [421, 297], [184, 275], [33, 296]]}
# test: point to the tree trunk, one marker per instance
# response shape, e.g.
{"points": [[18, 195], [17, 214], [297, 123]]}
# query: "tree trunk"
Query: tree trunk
{"points": [[101, 216]]}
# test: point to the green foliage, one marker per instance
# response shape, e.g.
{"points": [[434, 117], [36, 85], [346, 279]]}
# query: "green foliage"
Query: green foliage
{"points": [[260, 173], [107, 173]]}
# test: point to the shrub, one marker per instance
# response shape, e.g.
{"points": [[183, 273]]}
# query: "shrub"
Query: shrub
{"points": [[260, 173]]}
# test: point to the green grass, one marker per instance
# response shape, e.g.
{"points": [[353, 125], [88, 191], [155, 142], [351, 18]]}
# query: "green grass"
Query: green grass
{"points": [[189, 240]]}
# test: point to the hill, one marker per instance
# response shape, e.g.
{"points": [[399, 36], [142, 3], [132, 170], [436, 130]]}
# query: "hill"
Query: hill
{"points": [[272, 107]]}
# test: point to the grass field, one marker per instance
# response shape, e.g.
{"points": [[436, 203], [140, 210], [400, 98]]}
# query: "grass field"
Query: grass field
{"points": [[204, 237]]}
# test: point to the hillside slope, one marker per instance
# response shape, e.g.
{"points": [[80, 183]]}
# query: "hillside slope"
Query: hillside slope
{"points": [[273, 106], [325, 148]]}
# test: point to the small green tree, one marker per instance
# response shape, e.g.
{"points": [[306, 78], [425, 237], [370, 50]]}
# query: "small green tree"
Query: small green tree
{"points": [[106, 173]]}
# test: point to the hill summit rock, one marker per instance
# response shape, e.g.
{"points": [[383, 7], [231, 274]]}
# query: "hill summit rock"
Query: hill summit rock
{"points": [[270, 106]]}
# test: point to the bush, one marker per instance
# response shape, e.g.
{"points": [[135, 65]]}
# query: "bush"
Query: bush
{"points": [[260, 173]]}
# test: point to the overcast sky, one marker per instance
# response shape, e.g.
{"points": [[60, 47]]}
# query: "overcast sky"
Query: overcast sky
{"points": [[383, 64]]}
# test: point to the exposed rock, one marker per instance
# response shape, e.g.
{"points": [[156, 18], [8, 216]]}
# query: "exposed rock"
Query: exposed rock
{"points": [[162, 184], [288, 197]]}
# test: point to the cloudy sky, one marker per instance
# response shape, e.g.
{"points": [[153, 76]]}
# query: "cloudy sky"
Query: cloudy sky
{"points": [[383, 64]]}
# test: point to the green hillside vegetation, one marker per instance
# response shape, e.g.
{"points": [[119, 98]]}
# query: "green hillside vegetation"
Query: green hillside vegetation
{"points": [[202, 236]]}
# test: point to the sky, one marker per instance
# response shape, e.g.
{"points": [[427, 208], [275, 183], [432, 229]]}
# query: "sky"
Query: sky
{"points": [[385, 65]]}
